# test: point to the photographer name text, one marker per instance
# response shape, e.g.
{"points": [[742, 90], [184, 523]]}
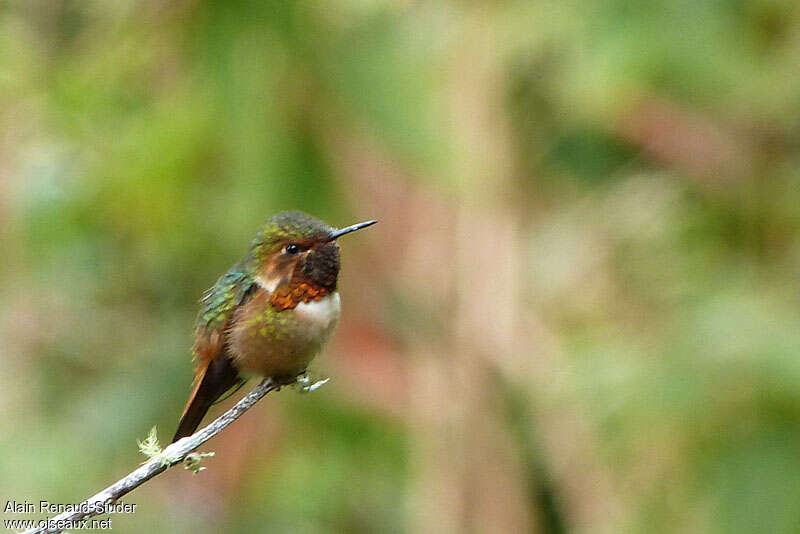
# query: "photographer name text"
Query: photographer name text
{"points": [[47, 507]]}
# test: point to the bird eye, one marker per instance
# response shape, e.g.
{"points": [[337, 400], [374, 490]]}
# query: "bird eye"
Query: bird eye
{"points": [[292, 249]]}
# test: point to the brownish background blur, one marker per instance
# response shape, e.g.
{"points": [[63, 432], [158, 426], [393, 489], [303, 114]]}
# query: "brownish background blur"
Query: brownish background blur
{"points": [[579, 312]]}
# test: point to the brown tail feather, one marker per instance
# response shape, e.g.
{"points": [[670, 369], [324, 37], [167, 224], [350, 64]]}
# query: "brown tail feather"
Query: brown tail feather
{"points": [[217, 378]]}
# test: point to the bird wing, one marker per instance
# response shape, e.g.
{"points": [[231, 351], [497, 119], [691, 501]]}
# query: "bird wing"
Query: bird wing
{"points": [[218, 305], [214, 373]]}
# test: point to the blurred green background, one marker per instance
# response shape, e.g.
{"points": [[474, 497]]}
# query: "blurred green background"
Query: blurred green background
{"points": [[579, 312]]}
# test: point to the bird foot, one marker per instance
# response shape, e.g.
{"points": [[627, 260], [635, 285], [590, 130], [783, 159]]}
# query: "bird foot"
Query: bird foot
{"points": [[307, 384]]}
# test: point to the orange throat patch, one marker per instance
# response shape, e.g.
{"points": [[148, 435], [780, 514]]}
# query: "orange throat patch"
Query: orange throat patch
{"points": [[299, 290]]}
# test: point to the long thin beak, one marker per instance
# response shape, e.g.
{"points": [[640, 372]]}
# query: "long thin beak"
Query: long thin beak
{"points": [[336, 234]]}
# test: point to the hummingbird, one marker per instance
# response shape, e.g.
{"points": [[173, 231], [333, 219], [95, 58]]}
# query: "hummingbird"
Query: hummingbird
{"points": [[270, 314]]}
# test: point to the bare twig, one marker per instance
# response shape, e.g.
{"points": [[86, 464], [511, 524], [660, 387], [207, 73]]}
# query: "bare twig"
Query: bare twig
{"points": [[170, 456]]}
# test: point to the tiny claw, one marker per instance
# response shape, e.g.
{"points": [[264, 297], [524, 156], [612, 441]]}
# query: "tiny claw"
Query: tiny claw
{"points": [[318, 384], [306, 386]]}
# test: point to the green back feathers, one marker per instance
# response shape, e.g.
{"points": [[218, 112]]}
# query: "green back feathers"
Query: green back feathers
{"points": [[219, 301]]}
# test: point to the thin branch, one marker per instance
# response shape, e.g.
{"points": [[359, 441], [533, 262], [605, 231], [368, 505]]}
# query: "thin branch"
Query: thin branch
{"points": [[173, 454]]}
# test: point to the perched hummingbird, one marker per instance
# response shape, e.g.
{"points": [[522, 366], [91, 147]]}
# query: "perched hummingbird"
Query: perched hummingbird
{"points": [[270, 314]]}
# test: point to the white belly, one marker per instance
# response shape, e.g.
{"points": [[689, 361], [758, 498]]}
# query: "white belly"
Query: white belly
{"points": [[321, 315], [266, 342]]}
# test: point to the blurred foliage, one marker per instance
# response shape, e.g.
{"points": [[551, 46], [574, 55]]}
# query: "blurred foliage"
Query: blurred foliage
{"points": [[642, 155]]}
